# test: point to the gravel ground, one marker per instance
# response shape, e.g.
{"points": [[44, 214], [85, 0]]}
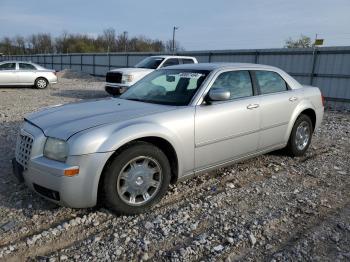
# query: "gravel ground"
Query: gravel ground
{"points": [[272, 207]]}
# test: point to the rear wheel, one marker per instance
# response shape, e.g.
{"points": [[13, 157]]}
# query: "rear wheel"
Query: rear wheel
{"points": [[41, 83], [300, 137], [136, 179]]}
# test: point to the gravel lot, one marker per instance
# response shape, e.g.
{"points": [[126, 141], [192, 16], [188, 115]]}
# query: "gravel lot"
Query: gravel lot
{"points": [[272, 207]]}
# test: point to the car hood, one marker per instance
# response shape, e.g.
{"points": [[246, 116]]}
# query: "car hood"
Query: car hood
{"points": [[132, 70], [63, 121]]}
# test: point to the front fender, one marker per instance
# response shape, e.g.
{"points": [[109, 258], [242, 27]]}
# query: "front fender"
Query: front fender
{"points": [[110, 138]]}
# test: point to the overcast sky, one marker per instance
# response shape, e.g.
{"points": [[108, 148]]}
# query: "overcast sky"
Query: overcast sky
{"points": [[219, 24]]}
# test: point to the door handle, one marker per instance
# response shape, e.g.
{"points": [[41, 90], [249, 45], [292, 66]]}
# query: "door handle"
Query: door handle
{"points": [[252, 106], [293, 98]]}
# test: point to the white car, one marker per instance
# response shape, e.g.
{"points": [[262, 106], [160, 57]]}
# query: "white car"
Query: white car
{"points": [[119, 80], [23, 73]]}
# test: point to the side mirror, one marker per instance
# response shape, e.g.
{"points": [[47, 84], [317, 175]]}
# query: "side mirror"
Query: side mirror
{"points": [[219, 94]]}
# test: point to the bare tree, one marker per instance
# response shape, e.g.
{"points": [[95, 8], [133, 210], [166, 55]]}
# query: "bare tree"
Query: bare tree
{"points": [[169, 46], [6, 46], [20, 43], [109, 39], [123, 42], [83, 43], [301, 42]]}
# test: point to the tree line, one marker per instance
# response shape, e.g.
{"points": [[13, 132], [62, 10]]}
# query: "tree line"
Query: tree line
{"points": [[108, 41]]}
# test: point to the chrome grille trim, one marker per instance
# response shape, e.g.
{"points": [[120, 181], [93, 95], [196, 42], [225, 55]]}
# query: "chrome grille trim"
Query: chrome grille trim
{"points": [[24, 148]]}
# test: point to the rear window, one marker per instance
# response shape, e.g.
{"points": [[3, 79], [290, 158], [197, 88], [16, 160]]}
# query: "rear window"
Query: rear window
{"points": [[25, 66], [187, 61], [270, 82], [171, 62]]}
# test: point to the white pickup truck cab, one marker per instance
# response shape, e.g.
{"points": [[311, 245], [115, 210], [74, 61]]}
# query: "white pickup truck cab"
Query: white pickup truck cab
{"points": [[119, 80]]}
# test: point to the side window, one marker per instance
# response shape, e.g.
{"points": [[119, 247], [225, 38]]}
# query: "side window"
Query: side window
{"points": [[270, 82], [8, 66], [237, 82], [170, 62], [187, 61], [25, 66]]}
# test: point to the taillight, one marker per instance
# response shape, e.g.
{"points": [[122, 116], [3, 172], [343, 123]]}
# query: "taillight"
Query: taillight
{"points": [[323, 101]]}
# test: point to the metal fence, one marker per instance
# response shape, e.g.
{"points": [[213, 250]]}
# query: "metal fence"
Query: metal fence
{"points": [[326, 67]]}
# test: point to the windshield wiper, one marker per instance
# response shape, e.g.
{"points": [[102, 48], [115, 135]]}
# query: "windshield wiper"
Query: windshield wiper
{"points": [[135, 99]]}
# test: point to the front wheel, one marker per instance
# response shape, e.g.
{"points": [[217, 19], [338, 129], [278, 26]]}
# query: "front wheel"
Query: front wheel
{"points": [[136, 179], [300, 137], [41, 83]]}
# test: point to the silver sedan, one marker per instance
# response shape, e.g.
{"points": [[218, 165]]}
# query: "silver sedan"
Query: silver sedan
{"points": [[20, 73], [174, 123]]}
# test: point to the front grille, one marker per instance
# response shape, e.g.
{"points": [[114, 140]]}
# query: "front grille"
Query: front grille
{"points": [[114, 77], [24, 149]]}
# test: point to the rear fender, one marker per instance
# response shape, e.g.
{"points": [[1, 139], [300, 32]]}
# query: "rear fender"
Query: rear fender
{"points": [[303, 105]]}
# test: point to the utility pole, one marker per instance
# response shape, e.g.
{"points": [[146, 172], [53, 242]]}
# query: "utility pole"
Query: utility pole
{"points": [[174, 29], [125, 36], [313, 61]]}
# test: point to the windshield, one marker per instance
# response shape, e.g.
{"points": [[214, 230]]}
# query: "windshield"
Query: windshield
{"points": [[167, 87], [150, 62]]}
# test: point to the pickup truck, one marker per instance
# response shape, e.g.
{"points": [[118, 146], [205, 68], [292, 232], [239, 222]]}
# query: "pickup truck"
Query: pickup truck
{"points": [[119, 80], [174, 123]]}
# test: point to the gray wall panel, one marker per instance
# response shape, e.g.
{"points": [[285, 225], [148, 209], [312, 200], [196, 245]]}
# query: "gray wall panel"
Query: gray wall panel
{"points": [[101, 71], [88, 59], [134, 59], [331, 71], [76, 59], [65, 59], [101, 60], [118, 61], [88, 69]]}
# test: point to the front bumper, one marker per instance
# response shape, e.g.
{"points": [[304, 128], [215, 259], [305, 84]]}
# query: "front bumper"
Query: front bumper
{"points": [[46, 176], [79, 191]]}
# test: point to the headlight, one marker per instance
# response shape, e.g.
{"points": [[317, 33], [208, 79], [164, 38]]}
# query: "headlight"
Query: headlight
{"points": [[56, 149], [127, 78]]}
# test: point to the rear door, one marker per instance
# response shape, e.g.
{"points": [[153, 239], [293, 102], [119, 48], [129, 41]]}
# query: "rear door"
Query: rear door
{"points": [[277, 103], [8, 74], [226, 130], [26, 73]]}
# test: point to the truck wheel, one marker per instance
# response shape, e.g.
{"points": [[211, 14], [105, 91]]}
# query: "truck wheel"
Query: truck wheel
{"points": [[300, 137], [41, 83], [136, 179]]}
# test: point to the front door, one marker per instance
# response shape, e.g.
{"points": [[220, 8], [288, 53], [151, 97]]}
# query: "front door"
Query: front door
{"points": [[227, 130], [8, 74]]}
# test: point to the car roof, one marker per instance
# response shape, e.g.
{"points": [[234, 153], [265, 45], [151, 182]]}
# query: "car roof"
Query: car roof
{"points": [[215, 66], [172, 56], [16, 61]]}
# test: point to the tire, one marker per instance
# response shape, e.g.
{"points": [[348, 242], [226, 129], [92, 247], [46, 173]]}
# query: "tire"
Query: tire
{"points": [[297, 145], [41, 83], [136, 179]]}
